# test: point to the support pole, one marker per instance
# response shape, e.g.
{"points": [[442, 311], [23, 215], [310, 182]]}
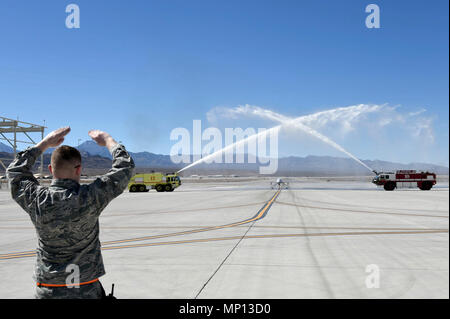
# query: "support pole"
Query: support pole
{"points": [[15, 139], [42, 156]]}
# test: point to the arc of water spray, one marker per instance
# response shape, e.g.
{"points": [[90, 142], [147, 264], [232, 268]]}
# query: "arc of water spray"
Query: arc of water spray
{"points": [[297, 123], [328, 141], [284, 121], [261, 134]]}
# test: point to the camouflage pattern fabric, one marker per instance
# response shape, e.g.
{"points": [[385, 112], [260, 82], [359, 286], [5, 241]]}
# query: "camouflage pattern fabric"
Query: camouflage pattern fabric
{"points": [[65, 216]]}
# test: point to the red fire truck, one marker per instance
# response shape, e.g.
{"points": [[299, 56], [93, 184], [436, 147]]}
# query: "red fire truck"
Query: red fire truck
{"points": [[405, 179]]}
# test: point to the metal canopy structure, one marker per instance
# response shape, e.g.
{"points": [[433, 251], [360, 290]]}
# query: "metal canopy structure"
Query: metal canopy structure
{"points": [[11, 129]]}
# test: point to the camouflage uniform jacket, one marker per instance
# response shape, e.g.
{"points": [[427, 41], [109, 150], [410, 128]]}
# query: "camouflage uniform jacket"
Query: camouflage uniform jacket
{"points": [[65, 215]]}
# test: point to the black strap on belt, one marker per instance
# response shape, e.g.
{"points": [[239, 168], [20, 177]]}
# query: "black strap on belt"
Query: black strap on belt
{"points": [[110, 296]]}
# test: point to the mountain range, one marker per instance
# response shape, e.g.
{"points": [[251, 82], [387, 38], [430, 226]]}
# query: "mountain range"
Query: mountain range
{"points": [[6, 148], [99, 158]]}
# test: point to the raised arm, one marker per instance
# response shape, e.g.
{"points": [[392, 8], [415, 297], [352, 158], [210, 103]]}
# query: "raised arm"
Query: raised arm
{"points": [[105, 188], [24, 186]]}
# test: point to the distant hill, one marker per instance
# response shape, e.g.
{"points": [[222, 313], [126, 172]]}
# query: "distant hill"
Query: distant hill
{"points": [[98, 159], [342, 166], [319, 166], [91, 164], [92, 148], [142, 159], [6, 148]]}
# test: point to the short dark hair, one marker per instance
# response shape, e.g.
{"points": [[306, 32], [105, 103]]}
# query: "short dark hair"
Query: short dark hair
{"points": [[65, 156]]}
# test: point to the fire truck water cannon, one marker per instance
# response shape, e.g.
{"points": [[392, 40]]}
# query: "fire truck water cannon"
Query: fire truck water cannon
{"points": [[405, 179]]}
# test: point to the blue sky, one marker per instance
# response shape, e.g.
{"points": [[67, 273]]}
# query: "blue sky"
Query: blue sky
{"points": [[139, 69]]}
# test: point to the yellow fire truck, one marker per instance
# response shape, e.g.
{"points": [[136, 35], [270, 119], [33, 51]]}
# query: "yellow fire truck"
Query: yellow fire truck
{"points": [[158, 181]]}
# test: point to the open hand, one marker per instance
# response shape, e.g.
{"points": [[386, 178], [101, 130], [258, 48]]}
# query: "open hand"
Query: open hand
{"points": [[102, 138], [54, 139]]}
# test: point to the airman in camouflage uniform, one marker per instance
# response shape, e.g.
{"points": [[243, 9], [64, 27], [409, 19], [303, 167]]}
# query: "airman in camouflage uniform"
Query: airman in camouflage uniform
{"points": [[65, 216]]}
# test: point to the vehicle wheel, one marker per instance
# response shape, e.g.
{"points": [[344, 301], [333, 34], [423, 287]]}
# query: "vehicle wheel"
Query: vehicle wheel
{"points": [[389, 186], [133, 188], [168, 188], [142, 188], [159, 188], [426, 186]]}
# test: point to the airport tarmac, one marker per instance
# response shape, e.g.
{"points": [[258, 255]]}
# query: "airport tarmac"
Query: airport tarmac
{"points": [[316, 239]]}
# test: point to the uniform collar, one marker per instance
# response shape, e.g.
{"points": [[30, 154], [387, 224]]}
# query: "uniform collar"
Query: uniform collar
{"points": [[65, 183]]}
